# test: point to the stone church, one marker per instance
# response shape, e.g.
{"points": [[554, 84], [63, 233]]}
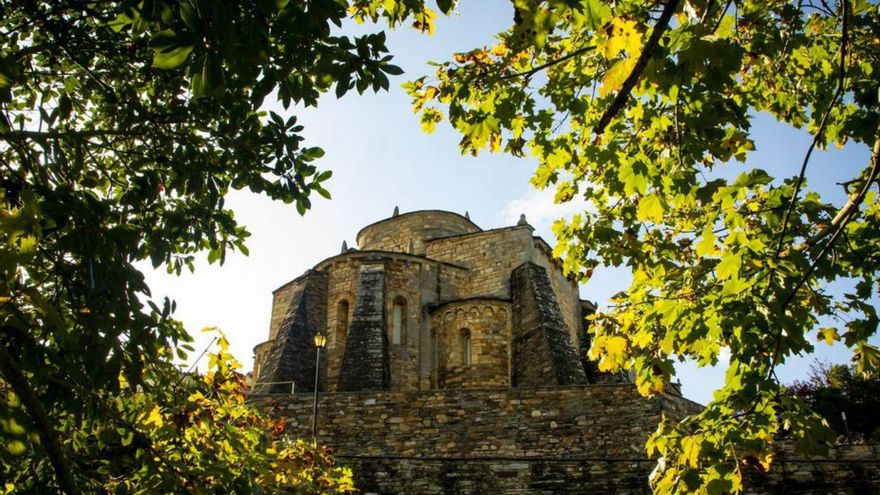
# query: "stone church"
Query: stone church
{"points": [[455, 362], [429, 300]]}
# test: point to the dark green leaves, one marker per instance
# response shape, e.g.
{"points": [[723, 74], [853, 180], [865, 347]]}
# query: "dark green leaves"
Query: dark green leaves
{"points": [[446, 6], [170, 50], [138, 117]]}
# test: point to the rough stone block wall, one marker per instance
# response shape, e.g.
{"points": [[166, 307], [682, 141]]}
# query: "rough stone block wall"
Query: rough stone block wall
{"points": [[291, 356], [409, 281], [365, 363], [483, 437], [442, 476], [452, 282], [543, 352], [850, 470], [398, 233], [281, 298], [489, 256], [556, 440], [847, 470], [341, 287], [488, 321], [566, 290], [584, 420]]}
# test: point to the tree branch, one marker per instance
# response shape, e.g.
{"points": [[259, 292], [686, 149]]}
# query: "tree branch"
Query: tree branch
{"points": [[797, 189], [47, 135], [48, 437], [541, 67], [846, 214], [623, 95]]}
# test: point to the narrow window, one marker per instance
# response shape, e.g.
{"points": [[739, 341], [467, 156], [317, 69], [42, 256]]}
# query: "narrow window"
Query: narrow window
{"points": [[398, 321], [466, 355], [341, 320]]}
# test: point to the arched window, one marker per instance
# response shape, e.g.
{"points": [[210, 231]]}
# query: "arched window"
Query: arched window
{"points": [[398, 321], [341, 320], [466, 352]]}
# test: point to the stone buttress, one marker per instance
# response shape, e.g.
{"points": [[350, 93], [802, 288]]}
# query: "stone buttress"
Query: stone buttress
{"points": [[291, 356], [543, 353], [365, 364]]}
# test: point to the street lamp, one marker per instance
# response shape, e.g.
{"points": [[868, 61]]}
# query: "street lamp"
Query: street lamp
{"points": [[320, 342]]}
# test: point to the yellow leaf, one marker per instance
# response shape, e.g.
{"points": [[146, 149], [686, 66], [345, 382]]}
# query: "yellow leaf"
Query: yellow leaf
{"points": [[650, 209], [500, 50], [690, 449], [614, 352], [616, 75], [154, 418], [623, 35], [829, 335], [731, 261], [706, 246]]}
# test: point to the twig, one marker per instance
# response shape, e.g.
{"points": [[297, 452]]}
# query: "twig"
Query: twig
{"points": [[541, 67], [853, 207], [623, 95], [822, 123], [196, 361]]}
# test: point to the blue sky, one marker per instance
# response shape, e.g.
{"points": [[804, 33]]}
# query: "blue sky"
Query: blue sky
{"points": [[381, 159]]}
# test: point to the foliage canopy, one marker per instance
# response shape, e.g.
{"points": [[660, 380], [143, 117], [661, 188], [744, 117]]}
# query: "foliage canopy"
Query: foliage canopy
{"points": [[837, 392], [122, 126], [638, 107]]}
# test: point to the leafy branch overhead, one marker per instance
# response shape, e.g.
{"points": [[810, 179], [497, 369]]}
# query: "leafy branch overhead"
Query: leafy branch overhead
{"points": [[123, 124], [640, 108]]}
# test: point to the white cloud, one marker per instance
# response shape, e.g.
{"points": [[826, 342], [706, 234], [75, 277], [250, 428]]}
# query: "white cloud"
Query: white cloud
{"points": [[541, 211]]}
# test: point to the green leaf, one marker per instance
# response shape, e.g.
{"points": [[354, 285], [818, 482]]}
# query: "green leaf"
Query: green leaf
{"points": [[706, 246], [169, 49], [392, 69], [596, 13], [730, 264], [446, 6], [650, 209], [323, 192]]}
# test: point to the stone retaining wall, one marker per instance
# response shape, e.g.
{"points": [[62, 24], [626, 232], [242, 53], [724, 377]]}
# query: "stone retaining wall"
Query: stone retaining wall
{"points": [[592, 420], [556, 440]]}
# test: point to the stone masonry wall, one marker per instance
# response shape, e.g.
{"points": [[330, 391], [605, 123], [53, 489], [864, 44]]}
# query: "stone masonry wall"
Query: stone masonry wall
{"points": [[413, 283], [291, 354], [281, 298], [587, 420], [365, 362], [341, 288], [543, 351], [555, 440], [489, 256], [417, 280], [488, 322], [413, 229], [850, 470], [565, 289]]}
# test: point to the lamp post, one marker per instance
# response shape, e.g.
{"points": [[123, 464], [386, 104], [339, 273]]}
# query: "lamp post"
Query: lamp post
{"points": [[320, 342]]}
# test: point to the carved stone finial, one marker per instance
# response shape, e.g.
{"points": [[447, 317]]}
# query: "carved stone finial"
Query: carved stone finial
{"points": [[522, 220], [467, 215], [396, 211], [344, 247]]}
